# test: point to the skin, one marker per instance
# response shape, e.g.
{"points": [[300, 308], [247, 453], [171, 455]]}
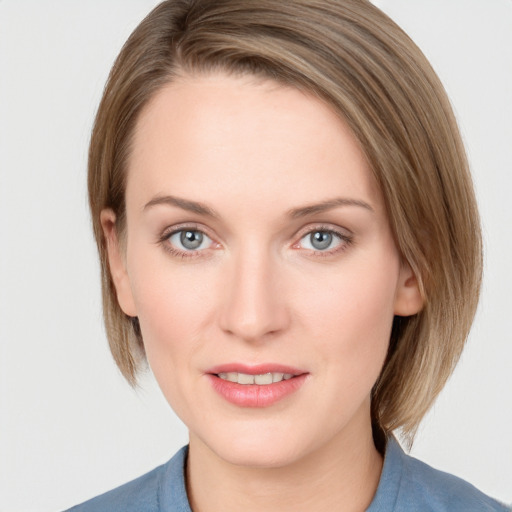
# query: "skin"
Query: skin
{"points": [[257, 290]]}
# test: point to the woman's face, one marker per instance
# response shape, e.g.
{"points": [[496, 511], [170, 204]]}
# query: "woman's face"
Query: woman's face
{"points": [[260, 263]]}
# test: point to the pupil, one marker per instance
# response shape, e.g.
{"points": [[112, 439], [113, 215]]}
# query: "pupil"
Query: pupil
{"points": [[321, 240], [191, 239]]}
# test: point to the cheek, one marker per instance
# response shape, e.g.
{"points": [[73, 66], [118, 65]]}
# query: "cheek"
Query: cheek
{"points": [[351, 325], [170, 320], [170, 309], [170, 306], [350, 314]]}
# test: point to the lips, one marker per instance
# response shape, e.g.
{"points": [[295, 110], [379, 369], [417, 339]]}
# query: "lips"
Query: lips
{"points": [[255, 386]]}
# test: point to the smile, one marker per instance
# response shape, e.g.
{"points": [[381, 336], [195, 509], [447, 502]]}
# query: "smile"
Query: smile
{"points": [[256, 385], [262, 379]]}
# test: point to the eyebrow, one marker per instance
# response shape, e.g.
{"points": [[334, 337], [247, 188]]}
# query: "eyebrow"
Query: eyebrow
{"points": [[327, 205], [303, 211], [184, 204]]}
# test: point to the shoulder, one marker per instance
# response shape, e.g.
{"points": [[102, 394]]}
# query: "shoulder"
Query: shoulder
{"points": [[140, 495], [418, 486], [443, 491]]}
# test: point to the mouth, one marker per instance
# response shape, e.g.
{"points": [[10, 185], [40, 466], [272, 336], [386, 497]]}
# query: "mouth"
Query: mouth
{"points": [[256, 386], [261, 379]]}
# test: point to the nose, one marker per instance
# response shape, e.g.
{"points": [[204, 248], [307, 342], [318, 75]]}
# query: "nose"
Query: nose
{"points": [[254, 305]]}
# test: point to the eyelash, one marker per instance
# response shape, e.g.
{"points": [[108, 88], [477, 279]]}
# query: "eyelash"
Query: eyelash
{"points": [[345, 241], [166, 235]]}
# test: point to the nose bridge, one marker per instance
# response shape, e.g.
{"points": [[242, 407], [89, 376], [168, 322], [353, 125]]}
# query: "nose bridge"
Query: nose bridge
{"points": [[253, 306]]}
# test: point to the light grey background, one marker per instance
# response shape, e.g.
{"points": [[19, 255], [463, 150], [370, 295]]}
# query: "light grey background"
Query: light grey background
{"points": [[70, 427]]}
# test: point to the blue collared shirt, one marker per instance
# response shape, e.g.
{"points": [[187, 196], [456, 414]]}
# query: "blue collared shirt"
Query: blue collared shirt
{"points": [[406, 485]]}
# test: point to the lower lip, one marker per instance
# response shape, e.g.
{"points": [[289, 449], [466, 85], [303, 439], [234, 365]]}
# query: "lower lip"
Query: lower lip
{"points": [[254, 395]]}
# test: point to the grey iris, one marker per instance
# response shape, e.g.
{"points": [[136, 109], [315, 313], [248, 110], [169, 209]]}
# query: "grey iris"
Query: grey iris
{"points": [[321, 240], [191, 239]]}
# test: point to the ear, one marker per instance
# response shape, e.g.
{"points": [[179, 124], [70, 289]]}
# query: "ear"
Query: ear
{"points": [[117, 263], [408, 297]]}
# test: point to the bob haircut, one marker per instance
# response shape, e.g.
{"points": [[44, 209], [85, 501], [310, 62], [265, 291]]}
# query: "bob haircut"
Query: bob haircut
{"points": [[359, 62]]}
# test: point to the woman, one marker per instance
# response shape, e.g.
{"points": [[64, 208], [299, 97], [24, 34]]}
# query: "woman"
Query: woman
{"points": [[288, 233]]}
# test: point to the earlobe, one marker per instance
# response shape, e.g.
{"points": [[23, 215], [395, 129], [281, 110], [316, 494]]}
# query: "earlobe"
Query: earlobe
{"points": [[408, 298], [116, 263]]}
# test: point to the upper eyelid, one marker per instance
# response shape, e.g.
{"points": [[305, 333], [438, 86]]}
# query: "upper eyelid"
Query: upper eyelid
{"points": [[342, 237], [164, 241], [330, 228], [165, 235], [176, 228], [346, 236]]}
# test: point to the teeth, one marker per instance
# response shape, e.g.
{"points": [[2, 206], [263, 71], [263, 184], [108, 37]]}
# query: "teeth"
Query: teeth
{"points": [[243, 378], [262, 379]]}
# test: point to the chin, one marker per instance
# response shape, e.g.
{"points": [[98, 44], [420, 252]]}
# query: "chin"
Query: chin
{"points": [[263, 449], [257, 456]]}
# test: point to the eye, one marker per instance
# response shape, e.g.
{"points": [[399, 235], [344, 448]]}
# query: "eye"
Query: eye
{"points": [[189, 240], [322, 240]]}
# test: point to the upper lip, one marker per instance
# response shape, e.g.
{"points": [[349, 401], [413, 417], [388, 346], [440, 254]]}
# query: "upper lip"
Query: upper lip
{"points": [[257, 369]]}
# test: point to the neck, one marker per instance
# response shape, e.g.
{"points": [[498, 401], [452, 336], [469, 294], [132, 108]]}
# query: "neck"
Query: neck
{"points": [[343, 472]]}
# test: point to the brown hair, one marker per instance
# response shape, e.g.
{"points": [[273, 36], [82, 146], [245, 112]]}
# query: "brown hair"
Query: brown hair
{"points": [[369, 71]]}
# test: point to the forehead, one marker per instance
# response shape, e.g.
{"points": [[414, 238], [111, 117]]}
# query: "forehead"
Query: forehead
{"points": [[225, 135]]}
